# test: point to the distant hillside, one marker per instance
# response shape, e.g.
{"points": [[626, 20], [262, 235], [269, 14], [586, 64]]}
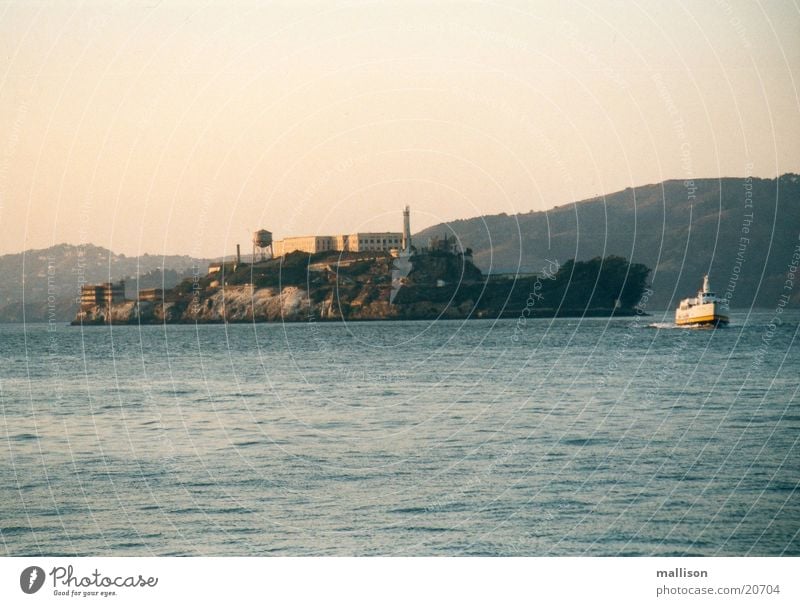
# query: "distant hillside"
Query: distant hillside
{"points": [[681, 230], [67, 266]]}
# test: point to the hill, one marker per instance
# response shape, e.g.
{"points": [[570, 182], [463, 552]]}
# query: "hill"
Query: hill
{"points": [[36, 283], [741, 231]]}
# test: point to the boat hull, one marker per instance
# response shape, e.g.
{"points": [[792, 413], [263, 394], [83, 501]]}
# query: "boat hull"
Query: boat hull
{"points": [[713, 320], [707, 314]]}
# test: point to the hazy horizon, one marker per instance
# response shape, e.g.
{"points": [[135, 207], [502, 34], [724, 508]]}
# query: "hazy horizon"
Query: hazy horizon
{"points": [[174, 129], [246, 242]]}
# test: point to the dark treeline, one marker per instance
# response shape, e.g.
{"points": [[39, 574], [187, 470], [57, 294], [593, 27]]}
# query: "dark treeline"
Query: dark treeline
{"points": [[599, 286]]}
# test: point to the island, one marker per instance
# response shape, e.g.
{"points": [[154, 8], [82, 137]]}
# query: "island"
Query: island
{"points": [[375, 285]]}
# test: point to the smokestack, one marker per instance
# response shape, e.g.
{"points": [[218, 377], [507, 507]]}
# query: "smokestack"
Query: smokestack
{"points": [[407, 229], [238, 255]]}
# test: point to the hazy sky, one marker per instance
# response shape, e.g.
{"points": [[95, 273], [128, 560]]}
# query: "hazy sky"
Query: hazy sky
{"points": [[181, 127]]}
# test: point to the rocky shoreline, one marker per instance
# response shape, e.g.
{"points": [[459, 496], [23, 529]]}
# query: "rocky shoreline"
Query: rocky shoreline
{"points": [[319, 288]]}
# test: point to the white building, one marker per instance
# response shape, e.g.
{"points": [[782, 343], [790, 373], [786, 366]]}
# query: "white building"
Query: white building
{"points": [[385, 241], [357, 242]]}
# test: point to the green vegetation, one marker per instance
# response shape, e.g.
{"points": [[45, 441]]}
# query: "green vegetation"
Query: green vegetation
{"points": [[600, 286], [600, 283]]}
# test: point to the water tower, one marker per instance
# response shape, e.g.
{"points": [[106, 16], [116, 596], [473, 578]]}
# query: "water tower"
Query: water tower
{"points": [[262, 245]]}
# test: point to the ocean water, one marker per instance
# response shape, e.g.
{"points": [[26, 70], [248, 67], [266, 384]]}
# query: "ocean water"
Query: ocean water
{"points": [[543, 438]]}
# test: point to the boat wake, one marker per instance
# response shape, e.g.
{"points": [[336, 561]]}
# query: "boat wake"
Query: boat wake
{"points": [[671, 325], [662, 325]]}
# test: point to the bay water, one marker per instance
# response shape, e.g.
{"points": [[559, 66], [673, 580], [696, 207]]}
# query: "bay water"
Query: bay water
{"points": [[544, 437]]}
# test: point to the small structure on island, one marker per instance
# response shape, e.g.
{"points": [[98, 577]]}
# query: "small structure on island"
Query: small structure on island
{"points": [[151, 294], [262, 245], [445, 244], [226, 266], [106, 293]]}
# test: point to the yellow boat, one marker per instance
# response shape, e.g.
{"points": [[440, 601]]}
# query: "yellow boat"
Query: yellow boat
{"points": [[703, 310]]}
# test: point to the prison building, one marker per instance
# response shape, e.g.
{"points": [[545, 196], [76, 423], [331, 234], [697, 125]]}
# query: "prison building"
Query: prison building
{"points": [[385, 241], [357, 242], [307, 244], [102, 294]]}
